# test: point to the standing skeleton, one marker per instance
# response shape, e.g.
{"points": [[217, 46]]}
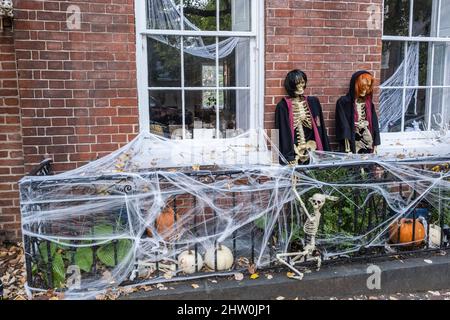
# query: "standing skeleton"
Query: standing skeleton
{"points": [[310, 228], [302, 118], [362, 127]]}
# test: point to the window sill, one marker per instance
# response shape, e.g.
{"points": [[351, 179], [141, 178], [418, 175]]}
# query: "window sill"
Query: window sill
{"points": [[413, 144]]}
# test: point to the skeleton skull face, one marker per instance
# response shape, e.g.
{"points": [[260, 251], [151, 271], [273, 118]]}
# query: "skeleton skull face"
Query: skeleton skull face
{"points": [[300, 87], [318, 200]]}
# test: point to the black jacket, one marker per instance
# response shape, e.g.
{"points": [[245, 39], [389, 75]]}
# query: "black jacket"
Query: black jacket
{"points": [[286, 144], [345, 123]]}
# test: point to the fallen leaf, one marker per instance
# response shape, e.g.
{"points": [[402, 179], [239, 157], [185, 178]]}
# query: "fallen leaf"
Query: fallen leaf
{"points": [[290, 274], [238, 276], [252, 268], [254, 276]]}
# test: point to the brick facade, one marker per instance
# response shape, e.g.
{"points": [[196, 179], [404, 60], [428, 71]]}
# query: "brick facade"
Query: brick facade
{"points": [[328, 40], [11, 150], [77, 88]]}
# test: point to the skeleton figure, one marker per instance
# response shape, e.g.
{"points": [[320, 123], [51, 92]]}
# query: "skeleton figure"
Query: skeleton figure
{"points": [[364, 139], [302, 118], [310, 228]]}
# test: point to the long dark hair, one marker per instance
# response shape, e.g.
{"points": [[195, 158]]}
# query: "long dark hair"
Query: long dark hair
{"points": [[292, 80]]}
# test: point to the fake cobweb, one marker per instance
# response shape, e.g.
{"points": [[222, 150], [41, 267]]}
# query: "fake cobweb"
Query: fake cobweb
{"points": [[125, 219], [166, 15], [391, 100]]}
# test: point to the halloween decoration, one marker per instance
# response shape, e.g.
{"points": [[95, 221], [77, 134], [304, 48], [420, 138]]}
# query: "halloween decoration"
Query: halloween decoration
{"points": [[165, 223], [248, 206], [300, 123], [407, 232], [6, 11], [225, 258], [357, 129], [188, 263], [310, 228]]}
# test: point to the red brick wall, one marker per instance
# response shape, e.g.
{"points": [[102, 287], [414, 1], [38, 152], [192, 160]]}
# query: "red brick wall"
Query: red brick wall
{"points": [[77, 87], [11, 156], [329, 40]]}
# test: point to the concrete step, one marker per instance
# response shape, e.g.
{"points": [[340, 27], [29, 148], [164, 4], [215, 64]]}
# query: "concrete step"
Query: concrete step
{"points": [[409, 274]]}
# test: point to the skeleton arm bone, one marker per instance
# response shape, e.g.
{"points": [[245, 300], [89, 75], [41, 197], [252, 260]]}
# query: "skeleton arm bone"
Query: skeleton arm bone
{"points": [[302, 204]]}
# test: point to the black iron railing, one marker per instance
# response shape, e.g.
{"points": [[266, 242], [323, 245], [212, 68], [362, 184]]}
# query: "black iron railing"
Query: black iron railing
{"points": [[364, 210]]}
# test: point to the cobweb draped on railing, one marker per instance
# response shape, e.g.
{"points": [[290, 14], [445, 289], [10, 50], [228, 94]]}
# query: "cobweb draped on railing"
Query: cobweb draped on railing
{"points": [[166, 15], [159, 210], [391, 106]]}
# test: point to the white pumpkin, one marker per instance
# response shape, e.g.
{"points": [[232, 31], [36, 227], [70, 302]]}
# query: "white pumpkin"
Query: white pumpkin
{"points": [[186, 261], [224, 258]]}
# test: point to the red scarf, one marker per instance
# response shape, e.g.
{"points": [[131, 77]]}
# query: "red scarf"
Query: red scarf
{"points": [[313, 123]]}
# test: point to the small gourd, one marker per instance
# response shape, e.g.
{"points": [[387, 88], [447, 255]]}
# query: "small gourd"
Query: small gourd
{"points": [[402, 232], [186, 262], [165, 223], [225, 258]]}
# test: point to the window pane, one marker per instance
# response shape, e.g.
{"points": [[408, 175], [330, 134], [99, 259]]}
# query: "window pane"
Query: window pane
{"points": [[199, 61], [201, 116], [235, 15], [229, 75], [422, 18], [201, 14], [390, 115], [201, 113], [165, 112], [235, 115], [396, 17], [445, 22], [164, 62], [415, 119], [424, 53], [164, 14], [440, 109], [392, 59], [441, 72]]}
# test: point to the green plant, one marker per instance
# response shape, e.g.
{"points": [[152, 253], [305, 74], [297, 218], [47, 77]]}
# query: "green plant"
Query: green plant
{"points": [[110, 254]]}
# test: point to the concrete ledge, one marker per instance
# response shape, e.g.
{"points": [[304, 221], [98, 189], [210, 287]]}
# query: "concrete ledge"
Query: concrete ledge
{"points": [[397, 276]]}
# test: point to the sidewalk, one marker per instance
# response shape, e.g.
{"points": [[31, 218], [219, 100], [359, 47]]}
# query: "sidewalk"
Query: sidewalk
{"points": [[423, 273]]}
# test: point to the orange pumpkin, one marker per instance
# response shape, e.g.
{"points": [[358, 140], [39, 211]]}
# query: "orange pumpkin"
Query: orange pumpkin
{"points": [[402, 232], [164, 223]]}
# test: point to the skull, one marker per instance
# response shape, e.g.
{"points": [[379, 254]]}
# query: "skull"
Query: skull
{"points": [[318, 200], [300, 87]]}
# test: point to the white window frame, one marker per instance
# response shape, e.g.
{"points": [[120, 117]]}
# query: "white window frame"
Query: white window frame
{"points": [[256, 88], [420, 140]]}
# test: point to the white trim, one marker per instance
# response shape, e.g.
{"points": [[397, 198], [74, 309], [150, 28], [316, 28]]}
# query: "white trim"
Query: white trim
{"points": [[415, 87], [256, 85], [199, 88], [199, 33], [142, 73], [259, 26], [415, 39]]}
